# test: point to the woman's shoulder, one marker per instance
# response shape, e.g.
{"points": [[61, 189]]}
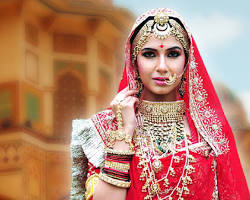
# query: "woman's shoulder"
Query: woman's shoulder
{"points": [[86, 137], [86, 134]]}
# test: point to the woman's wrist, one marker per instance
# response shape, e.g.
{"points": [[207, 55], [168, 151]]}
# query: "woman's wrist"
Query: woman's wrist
{"points": [[121, 145], [129, 130], [119, 139]]}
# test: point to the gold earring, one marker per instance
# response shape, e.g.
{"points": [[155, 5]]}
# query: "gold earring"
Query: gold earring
{"points": [[181, 88], [139, 84]]}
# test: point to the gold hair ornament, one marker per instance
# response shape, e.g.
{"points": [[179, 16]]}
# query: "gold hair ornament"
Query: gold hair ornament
{"points": [[161, 27]]}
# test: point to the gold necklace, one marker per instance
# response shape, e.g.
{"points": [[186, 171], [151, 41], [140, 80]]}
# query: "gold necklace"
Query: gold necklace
{"points": [[162, 124], [162, 112]]}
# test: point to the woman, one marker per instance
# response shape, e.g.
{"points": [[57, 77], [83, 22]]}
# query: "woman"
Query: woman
{"points": [[182, 146]]}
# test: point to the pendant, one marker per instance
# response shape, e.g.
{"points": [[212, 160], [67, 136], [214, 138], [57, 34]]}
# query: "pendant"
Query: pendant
{"points": [[155, 188], [157, 165]]}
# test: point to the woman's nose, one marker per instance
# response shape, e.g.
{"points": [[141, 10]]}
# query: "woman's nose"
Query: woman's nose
{"points": [[162, 65]]}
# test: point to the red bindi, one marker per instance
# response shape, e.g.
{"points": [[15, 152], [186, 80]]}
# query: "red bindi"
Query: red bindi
{"points": [[161, 46]]}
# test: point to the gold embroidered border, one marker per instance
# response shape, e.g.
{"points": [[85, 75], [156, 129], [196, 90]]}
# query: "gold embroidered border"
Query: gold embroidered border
{"points": [[204, 116]]}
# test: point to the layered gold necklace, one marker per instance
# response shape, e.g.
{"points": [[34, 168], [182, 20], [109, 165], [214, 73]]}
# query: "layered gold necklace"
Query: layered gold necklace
{"points": [[160, 133], [164, 122]]}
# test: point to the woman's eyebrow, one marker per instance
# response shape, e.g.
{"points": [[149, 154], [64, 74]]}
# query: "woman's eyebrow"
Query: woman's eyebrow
{"points": [[173, 48], [153, 49], [148, 49]]}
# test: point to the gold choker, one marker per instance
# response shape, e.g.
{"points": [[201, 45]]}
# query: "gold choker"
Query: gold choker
{"points": [[162, 112]]}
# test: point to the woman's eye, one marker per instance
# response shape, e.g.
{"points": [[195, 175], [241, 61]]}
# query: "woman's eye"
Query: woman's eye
{"points": [[149, 54], [173, 54]]}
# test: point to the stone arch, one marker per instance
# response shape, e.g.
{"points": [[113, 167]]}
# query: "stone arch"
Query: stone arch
{"points": [[69, 102]]}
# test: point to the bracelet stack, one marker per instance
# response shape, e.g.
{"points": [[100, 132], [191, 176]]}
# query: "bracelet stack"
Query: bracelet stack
{"points": [[116, 168]]}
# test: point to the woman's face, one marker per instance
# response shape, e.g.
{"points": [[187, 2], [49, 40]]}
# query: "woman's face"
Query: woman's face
{"points": [[155, 61]]}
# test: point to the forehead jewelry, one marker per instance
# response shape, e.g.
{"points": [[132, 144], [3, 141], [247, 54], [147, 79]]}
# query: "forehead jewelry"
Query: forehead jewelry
{"points": [[161, 27]]}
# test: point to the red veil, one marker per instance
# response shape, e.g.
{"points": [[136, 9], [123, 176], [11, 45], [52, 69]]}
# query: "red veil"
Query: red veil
{"points": [[204, 114]]}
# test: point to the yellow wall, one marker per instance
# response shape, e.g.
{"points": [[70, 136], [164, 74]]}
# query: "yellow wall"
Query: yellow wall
{"points": [[10, 184], [10, 51]]}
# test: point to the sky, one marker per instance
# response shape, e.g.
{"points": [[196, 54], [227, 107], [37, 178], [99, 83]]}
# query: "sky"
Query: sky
{"points": [[222, 32]]}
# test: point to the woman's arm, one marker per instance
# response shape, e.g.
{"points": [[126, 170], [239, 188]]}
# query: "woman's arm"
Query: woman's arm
{"points": [[123, 106], [86, 141], [106, 191]]}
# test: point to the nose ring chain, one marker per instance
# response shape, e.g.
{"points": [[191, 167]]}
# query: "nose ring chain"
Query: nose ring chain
{"points": [[171, 79]]}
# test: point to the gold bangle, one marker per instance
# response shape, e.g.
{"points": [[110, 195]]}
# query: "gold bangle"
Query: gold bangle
{"points": [[117, 165], [119, 135], [115, 182], [120, 152]]}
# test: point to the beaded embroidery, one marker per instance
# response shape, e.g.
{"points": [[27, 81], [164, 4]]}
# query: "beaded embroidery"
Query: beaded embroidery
{"points": [[203, 115]]}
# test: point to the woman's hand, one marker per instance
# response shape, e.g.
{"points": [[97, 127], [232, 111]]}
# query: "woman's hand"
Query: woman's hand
{"points": [[127, 102]]}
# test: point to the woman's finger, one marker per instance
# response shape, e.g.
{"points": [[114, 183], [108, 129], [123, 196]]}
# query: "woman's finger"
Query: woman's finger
{"points": [[124, 90], [133, 100], [125, 101], [130, 92], [129, 101], [121, 96]]}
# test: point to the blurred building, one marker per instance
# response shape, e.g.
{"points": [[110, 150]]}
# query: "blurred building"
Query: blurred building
{"points": [[237, 118], [59, 60]]}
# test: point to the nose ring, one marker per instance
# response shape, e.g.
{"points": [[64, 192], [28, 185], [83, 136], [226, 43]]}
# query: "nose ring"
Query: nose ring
{"points": [[171, 79]]}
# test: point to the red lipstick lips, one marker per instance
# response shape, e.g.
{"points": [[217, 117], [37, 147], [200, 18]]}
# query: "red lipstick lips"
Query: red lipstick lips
{"points": [[160, 80]]}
